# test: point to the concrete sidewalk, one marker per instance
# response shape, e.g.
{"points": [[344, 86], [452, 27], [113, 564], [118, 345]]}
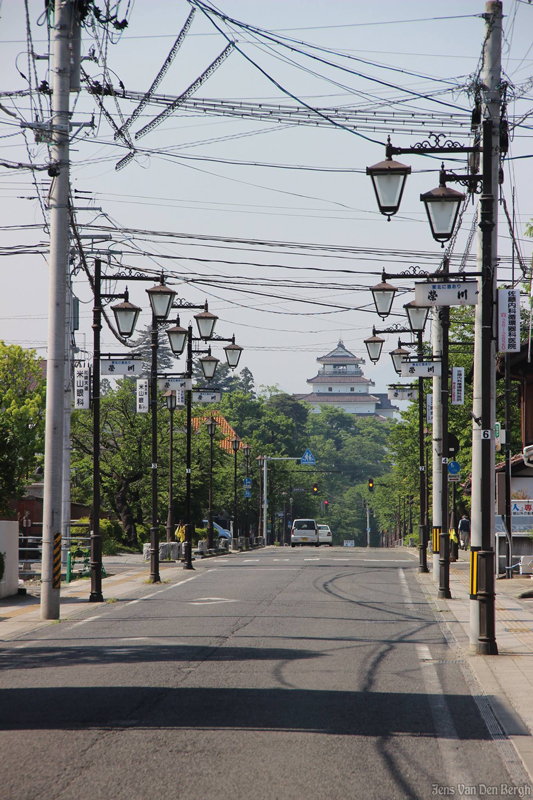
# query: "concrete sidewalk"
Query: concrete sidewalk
{"points": [[507, 679], [20, 614]]}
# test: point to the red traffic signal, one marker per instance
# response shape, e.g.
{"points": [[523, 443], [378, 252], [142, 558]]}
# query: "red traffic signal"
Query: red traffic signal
{"points": [[326, 506]]}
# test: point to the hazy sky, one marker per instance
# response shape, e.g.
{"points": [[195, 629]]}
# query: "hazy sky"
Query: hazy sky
{"points": [[186, 186]]}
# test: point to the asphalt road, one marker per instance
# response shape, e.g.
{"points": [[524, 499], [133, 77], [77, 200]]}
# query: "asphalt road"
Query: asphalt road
{"points": [[321, 674]]}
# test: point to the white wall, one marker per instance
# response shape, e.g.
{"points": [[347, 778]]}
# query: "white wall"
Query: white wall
{"points": [[9, 546]]}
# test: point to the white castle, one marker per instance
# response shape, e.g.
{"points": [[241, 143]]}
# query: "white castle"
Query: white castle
{"points": [[340, 382]]}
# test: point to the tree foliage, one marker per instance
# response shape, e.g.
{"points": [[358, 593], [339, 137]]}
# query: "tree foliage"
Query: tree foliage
{"points": [[22, 404]]}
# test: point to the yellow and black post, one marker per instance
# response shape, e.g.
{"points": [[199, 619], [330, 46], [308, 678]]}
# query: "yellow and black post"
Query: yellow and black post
{"points": [[436, 531], [473, 572], [56, 572]]}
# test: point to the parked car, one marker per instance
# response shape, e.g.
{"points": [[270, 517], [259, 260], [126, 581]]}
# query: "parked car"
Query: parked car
{"points": [[324, 535], [304, 531]]}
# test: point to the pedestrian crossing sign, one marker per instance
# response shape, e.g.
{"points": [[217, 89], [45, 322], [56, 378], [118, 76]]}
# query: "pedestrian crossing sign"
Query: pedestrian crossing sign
{"points": [[308, 458]]}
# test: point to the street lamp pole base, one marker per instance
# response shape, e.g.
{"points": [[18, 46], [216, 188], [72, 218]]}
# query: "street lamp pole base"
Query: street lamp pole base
{"points": [[487, 648], [444, 594], [96, 597], [188, 566]]}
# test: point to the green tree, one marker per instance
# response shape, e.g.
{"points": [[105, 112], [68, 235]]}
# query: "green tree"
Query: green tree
{"points": [[22, 404]]}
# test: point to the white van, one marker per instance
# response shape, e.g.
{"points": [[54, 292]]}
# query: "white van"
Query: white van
{"points": [[304, 531]]}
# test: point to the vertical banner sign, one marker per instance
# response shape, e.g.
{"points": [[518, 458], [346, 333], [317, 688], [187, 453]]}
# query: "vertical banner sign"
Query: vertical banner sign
{"points": [[458, 386], [142, 396], [508, 320], [429, 409], [82, 383]]}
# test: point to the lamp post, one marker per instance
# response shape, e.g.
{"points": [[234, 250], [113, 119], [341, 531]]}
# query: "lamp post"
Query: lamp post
{"points": [[161, 298], [181, 339], [126, 315], [171, 401], [246, 449], [260, 464], [235, 443], [211, 425], [417, 317]]}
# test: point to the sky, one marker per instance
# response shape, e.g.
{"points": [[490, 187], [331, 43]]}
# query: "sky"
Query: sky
{"points": [[198, 182]]}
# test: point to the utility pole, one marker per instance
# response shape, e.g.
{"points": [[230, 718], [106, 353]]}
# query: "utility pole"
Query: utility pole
{"points": [[437, 453], [59, 255], [482, 604], [265, 499], [367, 524]]}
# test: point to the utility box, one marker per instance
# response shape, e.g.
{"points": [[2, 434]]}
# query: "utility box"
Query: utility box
{"points": [[9, 549]]}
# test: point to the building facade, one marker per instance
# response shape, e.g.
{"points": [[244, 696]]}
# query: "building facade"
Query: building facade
{"points": [[340, 382]]}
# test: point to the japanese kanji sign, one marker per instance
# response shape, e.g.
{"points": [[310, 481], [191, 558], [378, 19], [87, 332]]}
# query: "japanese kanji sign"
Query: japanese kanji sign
{"points": [[508, 320], [82, 386], [175, 383], [458, 386], [143, 402], [402, 394], [459, 293], [420, 369], [206, 397], [120, 366], [429, 409]]}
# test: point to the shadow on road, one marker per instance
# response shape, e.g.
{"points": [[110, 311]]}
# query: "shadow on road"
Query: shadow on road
{"points": [[373, 714]]}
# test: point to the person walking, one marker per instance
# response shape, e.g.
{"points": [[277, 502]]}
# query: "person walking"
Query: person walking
{"points": [[464, 532]]}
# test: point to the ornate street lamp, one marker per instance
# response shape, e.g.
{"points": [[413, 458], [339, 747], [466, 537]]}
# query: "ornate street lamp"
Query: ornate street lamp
{"points": [[442, 207], [126, 316], [417, 316], [233, 354], [246, 449], [398, 357], [388, 179], [209, 365], [161, 298], [177, 338], [206, 323], [235, 443], [211, 426], [374, 345], [171, 401], [383, 294]]}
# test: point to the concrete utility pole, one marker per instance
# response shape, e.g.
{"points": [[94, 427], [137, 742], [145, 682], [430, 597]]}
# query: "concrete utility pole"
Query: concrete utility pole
{"points": [[59, 259], [482, 619], [437, 453]]}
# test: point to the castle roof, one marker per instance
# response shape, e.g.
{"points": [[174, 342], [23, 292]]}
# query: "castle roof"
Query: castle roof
{"points": [[340, 355]]}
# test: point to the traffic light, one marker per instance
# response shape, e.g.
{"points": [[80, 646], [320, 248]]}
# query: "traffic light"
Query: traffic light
{"points": [[326, 506], [315, 488], [371, 484]]}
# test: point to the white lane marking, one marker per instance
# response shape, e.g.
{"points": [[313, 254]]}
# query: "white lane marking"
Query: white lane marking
{"points": [[84, 621], [209, 601], [341, 559], [132, 602], [311, 559], [405, 589], [259, 569], [453, 756], [281, 559], [249, 560]]}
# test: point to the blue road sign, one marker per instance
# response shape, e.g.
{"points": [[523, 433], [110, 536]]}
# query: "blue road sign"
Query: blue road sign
{"points": [[247, 483], [247, 493], [454, 467], [308, 458]]}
